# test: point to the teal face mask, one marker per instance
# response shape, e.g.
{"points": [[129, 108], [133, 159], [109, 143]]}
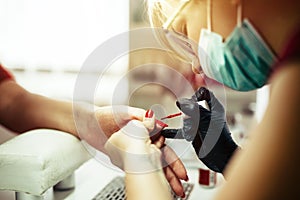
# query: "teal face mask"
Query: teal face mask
{"points": [[242, 63]]}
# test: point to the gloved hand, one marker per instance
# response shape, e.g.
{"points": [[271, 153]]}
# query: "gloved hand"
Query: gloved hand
{"points": [[207, 129]]}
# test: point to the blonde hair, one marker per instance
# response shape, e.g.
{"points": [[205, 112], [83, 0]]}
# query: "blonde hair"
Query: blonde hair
{"points": [[161, 14]]}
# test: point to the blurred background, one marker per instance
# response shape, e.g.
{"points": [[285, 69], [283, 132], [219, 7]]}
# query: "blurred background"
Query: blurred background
{"points": [[45, 43]]}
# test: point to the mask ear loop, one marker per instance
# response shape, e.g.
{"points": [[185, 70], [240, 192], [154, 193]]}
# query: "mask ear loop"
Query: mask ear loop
{"points": [[239, 14], [208, 17]]}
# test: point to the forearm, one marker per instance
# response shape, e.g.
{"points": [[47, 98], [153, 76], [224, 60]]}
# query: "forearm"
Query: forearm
{"points": [[21, 110], [43, 112]]}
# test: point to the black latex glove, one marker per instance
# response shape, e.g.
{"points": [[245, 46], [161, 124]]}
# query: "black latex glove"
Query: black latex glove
{"points": [[207, 129]]}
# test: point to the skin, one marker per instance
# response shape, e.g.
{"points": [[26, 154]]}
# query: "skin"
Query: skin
{"points": [[124, 148], [268, 167], [21, 111], [224, 19]]}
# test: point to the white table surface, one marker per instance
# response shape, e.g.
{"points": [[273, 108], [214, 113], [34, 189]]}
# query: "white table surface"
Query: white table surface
{"points": [[93, 176]]}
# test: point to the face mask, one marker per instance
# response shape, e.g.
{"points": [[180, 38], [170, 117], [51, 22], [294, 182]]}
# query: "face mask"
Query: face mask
{"points": [[242, 63]]}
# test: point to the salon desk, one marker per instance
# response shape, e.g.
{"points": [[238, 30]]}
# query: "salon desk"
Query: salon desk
{"points": [[88, 185], [93, 176]]}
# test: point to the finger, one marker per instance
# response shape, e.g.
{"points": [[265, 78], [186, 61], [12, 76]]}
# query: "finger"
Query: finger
{"points": [[135, 129], [149, 120], [215, 103], [207, 95], [174, 162], [190, 128], [136, 113], [172, 133], [174, 182], [159, 142], [202, 94], [171, 176], [187, 106]]}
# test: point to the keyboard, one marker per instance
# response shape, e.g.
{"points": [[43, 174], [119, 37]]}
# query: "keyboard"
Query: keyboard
{"points": [[115, 190]]}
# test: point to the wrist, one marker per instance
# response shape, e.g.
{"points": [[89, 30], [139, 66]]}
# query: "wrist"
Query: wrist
{"points": [[137, 162]]}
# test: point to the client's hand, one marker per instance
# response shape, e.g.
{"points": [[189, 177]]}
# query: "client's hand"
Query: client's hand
{"points": [[96, 124], [131, 149], [173, 167], [133, 138]]}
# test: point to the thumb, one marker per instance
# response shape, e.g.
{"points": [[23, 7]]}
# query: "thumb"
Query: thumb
{"points": [[153, 125], [207, 95], [188, 106], [149, 120], [135, 129]]}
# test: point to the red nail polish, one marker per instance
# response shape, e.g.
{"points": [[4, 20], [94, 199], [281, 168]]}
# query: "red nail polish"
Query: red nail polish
{"points": [[149, 113], [187, 179], [163, 125], [183, 196]]}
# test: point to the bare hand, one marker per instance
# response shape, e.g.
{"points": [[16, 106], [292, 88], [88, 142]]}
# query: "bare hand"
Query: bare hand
{"points": [[173, 167], [96, 124]]}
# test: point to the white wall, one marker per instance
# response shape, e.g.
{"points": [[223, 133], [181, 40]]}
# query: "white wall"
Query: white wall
{"points": [[57, 34]]}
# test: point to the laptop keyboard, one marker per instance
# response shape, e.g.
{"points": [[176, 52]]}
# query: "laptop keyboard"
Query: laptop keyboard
{"points": [[115, 190]]}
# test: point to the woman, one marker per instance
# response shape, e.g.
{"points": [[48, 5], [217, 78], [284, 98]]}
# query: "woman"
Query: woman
{"points": [[261, 47]]}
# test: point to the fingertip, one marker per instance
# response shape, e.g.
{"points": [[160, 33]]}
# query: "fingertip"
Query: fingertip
{"points": [[178, 104], [183, 195], [162, 139], [186, 178], [149, 116], [161, 124], [135, 128], [149, 113], [160, 142], [180, 191]]}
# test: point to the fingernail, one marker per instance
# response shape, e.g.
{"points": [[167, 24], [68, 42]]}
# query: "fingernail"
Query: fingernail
{"points": [[187, 178], [160, 123], [183, 196], [149, 113]]}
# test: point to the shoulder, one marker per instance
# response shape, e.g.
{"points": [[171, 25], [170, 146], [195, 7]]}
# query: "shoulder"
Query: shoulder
{"points": [[287, 78], [284, 99], [274, 144]]}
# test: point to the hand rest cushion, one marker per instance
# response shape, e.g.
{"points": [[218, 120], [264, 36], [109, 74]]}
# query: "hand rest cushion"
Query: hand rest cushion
{"points": [[37, 160]]}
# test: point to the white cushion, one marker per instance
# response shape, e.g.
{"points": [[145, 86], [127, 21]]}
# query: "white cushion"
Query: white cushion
{"points": [[35, 161]]}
